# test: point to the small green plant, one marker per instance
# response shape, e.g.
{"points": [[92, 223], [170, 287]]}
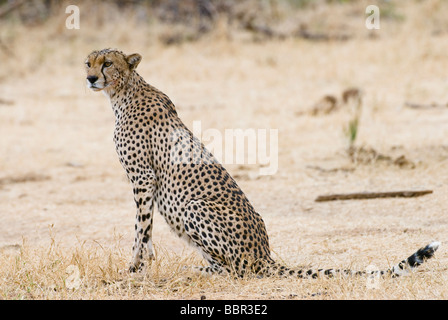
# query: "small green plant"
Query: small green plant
{"points": [[352, 129]]}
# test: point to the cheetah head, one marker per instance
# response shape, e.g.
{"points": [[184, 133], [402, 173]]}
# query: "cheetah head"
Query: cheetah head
{"points": [[109, 68]]}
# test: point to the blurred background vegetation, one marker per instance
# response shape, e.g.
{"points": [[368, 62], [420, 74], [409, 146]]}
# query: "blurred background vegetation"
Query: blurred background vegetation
{"points": [[192, 19], [32, 30], [186, 12]]}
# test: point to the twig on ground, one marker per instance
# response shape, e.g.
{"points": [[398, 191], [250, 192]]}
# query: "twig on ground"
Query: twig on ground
{"points": [[372, 195], [426, 106]]}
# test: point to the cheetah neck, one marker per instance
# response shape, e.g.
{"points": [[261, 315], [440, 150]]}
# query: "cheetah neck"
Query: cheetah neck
{"points": [[121, 95]]}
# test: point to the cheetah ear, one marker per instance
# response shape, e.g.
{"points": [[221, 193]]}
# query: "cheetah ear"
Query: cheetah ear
{"points": [[133, 60]]}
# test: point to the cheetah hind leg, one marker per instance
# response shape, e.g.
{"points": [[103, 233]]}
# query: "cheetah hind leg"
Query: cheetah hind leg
{"points": [[199, 227]]}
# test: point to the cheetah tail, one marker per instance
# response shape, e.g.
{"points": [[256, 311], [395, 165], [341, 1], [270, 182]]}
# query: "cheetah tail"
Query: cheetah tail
{"points": [[403, 268], [415, 260]]}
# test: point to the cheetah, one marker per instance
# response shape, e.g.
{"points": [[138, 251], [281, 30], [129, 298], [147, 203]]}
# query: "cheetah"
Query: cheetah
{"points": [[170, 169]]}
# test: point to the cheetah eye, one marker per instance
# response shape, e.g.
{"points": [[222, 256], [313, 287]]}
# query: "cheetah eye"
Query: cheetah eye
{"points": [[88, 64], [107, 64]]}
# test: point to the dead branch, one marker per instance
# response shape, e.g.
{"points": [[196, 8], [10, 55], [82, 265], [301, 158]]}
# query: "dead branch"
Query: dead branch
{"points": [[425, 106], [372, 195]]}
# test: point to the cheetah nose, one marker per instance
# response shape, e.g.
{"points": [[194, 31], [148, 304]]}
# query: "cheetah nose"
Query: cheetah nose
{"points": [[92, 79]]}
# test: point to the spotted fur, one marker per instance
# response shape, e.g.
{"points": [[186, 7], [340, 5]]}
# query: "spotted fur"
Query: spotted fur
{"points": [[171, 170]]}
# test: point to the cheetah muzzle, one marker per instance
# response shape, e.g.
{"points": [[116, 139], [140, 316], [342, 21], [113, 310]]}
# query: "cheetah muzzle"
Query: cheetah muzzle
{"points": [[170, 169]]}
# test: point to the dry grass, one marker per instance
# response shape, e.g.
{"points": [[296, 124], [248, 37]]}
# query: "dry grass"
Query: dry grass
{"points": [[92, 271], [58, 166]]}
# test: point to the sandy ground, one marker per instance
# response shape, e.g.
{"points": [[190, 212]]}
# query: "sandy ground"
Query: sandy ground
{"points": [[60, 177]]}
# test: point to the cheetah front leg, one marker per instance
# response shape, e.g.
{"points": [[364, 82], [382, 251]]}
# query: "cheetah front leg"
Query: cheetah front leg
{"points": [[142, 251]]}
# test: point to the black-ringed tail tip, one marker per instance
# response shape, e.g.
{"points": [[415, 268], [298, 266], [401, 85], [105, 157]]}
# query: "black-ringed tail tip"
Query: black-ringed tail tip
{"points": [[416, 259]]}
